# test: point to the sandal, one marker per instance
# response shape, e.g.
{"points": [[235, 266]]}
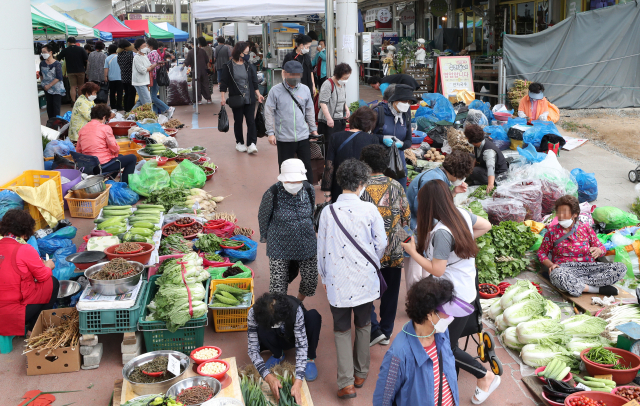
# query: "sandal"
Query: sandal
{"points": [[481, 396]]}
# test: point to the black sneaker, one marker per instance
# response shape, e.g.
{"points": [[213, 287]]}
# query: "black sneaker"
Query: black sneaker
{"points": [[376, 337]]}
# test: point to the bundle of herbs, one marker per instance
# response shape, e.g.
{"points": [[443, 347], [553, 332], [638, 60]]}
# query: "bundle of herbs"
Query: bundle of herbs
{"points": [[168, 197], [209, 243], [175, 244]]}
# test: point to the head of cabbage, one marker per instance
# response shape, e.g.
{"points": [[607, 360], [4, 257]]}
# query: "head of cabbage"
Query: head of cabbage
{"points": [[510, 339], [524, 310], [578, 344], [516, 292], [583, 325], [537, 355], [552, 311], [541, 330]]}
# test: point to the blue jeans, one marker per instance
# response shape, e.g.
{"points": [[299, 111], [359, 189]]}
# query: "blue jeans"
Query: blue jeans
{"points": [[158, 105], [144, 97], [388, 302]]}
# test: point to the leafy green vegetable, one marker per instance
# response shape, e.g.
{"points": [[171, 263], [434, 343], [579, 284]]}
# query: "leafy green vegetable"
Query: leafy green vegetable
{"points": [[475, 207], [541, 331], [252, 393], [174, 244], [168, 197], [481, 193], [524, 310], [537, 355], [209, 243], [583, 325]]}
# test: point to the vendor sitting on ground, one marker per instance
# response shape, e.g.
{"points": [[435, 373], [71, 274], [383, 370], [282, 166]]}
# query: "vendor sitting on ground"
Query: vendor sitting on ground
{"points": [[569, 249], [277, 323], [490, 161], [81, 113], [27, 285], [536, 107], [381, 84], [97, 139]]}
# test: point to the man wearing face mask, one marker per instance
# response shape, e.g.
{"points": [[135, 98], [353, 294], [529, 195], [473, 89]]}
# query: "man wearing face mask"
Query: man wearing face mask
{"points": [[290, 117], [423, 350], [536, 107], [201, 77], [301, 54], [570, 249]]}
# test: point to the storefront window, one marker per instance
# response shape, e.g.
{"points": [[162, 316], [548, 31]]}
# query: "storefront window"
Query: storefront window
{"points": [[542, 15], [524, 24], [478, 34], [469, 27]]}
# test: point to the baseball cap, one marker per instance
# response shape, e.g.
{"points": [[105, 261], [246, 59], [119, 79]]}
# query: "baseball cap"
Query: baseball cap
{"points": [[293, 67]]}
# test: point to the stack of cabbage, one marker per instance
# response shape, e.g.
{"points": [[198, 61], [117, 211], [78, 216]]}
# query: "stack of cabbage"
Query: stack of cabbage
{"points": [[531, 324], [171, 303]]}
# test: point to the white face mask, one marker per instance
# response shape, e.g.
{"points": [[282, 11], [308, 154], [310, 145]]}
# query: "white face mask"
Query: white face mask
{"points": [[292, 188], [145, 50], [402, 107], [92, 97], [442, 324], [343, 81], [304, 51], [46, 56], [565, 223], [458, 182]]}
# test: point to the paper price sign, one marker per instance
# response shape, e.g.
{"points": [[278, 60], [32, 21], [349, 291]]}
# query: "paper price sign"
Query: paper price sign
{"points": [[173, 365], [455, 74], [632, 403]]}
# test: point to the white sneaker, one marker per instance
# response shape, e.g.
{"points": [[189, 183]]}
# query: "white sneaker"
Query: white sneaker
{"points": [[170, 112], [209, 101], [252, 149], [241, 148]]}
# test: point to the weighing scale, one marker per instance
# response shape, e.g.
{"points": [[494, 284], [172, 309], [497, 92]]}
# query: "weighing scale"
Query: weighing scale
{"points": [[630, 338]]}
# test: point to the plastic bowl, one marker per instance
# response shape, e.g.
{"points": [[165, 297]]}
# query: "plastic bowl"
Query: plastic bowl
{"points": [[186, 237], [583, 356], [209, 173], [198, 361], [171, 132], [502, 116], [231, 248], [615, 390], [185, 225], [162, 160], [489, 295], [608, 398], [543, 379], [620, 376], [551, 402], [142, 256], [216, 376], [121, 128]]}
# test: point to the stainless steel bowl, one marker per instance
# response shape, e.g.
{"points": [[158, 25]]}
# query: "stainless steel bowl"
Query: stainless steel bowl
{"points": [[68, 288], [158, 387], [116, 286], [89, 188], [195, 381]]}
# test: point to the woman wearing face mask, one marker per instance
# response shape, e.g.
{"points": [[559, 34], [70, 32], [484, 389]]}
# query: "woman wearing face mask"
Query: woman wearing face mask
{"points": [[201, 77], [319, 64], [536, 107], [286, 225], [51, 79], [345, 145], [334, 111], [351, 243], [394, 122], [422, 350], [569, 249], [81, 113], [97, 139], [446, 249], [240, 78], [301, 54], [140, 72]]}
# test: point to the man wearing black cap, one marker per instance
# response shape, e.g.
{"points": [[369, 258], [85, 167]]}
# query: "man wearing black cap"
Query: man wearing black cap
{"points": [[290, 117], [76, 60]]}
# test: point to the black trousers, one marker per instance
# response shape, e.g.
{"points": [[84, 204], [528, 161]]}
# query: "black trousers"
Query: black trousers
{"points": [[128, 162], [270, 339], [388, 302], [247, 111], [53, 104], [323, 128], [115, 94], [300, 150], [129, 98], [32, 311], [455, 332]]}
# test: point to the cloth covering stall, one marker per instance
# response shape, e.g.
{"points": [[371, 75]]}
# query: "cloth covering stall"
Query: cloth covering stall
{"points": [[117, 28], [229, 30]]}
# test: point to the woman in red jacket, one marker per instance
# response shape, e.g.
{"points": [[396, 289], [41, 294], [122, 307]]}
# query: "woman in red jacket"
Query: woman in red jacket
{"points": [[27, 285]]}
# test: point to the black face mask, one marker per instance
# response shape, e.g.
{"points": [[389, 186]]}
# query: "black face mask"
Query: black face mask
{"points": [[246, 58]]}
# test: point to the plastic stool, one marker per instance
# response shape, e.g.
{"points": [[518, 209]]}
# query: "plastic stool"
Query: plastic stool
{"points": [[6, 344]]}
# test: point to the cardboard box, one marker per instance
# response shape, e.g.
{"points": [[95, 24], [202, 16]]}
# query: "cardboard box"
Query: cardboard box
{"points": [[58, 361]]}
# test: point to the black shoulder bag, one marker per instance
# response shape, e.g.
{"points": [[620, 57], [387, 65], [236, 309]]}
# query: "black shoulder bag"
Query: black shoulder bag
{"points": [[238, 100]]}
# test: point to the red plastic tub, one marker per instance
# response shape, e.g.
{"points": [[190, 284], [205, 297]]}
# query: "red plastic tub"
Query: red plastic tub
{"points": [[608, 398], [620, 376], [221, 374], [543, 379], [186, 237], [121, 128], [206, 262], [142, 256], [199, 361]]}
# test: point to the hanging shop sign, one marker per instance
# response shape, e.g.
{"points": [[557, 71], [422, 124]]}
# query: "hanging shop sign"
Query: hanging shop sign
{"points": [[438, 8], [407, 17], [384, 15], [454, 73]]}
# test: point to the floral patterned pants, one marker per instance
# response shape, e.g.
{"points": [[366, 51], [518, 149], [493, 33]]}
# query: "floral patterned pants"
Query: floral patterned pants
{"points": [[571, 277], [279, 280]]}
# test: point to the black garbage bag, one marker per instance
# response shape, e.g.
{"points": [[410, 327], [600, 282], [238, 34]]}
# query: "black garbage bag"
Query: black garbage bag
{"points": [[223, 120], [103, 93], [438, 134], [162, 76], [395, 170], [60, 162], [515, 134], [260, 123]]}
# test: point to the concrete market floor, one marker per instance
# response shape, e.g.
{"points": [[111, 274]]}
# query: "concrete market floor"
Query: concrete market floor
{"points": [[246, 178]]}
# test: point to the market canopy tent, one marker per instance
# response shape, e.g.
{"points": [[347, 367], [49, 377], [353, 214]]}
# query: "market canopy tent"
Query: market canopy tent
{"points": [[272, 11], [604, 77], [105, 36], [178, 35], [43, 25], [253, 29], [116, 28], [149, 28], [83, 30]]}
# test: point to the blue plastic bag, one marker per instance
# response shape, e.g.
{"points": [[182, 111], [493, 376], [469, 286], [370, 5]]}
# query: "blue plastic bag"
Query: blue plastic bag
{"points": [[515, 121], [485, 108], [244, 256], [531, 155], [587, 185], [540, 128], [9, 200], [60, 147], [67, 116], [442, 107], [33, 241], [64, 270], [152, 128], [499, 136], [121, 195], [423, 112], [56, 240]]}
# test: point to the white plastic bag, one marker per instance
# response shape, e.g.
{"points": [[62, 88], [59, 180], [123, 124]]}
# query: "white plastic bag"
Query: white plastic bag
{"points": [[162, 119], [446, 148], [139, 166]]}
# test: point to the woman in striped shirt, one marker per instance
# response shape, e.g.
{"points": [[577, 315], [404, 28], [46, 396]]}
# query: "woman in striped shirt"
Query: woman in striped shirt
{"points": [[420, 365]]}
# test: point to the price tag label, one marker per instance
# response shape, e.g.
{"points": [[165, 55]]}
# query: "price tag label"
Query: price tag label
{"points": [[632, 403], [583, 387], [173, 366], [609, 377]]}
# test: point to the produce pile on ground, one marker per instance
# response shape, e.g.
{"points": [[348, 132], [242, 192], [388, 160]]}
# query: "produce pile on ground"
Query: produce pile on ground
{"points": [[457, 140], [144, 111], [66, 334], [519, 89]]}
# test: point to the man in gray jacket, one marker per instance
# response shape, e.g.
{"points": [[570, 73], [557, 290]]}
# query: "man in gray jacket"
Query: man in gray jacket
{"points": [[290, 117], [222, 54]]}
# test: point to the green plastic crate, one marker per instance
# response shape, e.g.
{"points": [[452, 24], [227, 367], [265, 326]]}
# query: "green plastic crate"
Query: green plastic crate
{"points": [[108, 321], [157, 337]]}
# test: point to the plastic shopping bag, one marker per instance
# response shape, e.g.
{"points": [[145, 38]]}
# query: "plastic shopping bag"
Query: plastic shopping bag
{"points": [[152, 128], [9, 200], [245, 256], [528, 191], [63, 270], [498, 135], [540, 129], [485, 108], [499, 210], [613, 217], [476, 117], [60, 147], [103, 93], [261, 126], [187, 176], [587, 185], [395, 170], [531, 155], [56, 240], [150, 178], [223, 120], [121, 195], [441, 106], [178, 90]]}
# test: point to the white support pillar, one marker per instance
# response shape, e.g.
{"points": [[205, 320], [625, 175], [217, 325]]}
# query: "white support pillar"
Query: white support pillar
{"points": [[177, 14], [347, 27], [242, 32], [214, 28], [21, 138]]}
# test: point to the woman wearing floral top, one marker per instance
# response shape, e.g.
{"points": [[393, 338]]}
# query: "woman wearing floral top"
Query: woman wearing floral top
{"points": [[569, 250], [388, 195], [81, 113], [51, 80]]}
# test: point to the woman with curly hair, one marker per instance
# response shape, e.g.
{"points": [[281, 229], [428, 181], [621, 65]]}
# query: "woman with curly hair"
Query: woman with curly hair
{"points": [[446, 249], [490, 161], [278, 322], [408, 374], [27, 285]]}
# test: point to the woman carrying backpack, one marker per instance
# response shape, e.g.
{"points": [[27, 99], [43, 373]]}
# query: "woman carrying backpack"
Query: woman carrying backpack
{"points": [[334, 112]]}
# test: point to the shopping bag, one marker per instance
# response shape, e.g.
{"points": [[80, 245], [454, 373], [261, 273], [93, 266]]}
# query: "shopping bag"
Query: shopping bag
{"points": [[187, 176], [162, 76], [149, 179], [121, 195], [260, 124], [103, 93], [395, 170], [587, 185], [178, 90], [223, 120]]}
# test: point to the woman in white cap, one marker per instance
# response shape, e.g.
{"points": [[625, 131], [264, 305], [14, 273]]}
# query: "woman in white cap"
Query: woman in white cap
{"points": [[286, 225]]}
